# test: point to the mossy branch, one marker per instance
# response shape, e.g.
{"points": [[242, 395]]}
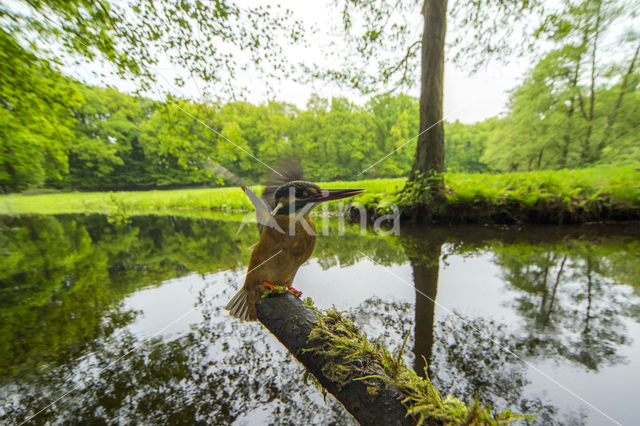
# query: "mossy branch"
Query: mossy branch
{"points": [[374, 385]]}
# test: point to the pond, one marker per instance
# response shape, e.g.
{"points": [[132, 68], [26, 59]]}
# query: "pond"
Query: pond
{"points": [[120, 320]]}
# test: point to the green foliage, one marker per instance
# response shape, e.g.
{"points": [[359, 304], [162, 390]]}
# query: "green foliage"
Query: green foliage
{"points": [[578, 106], [346, 349], [113, 140], [131, 37], [571, 187], [466, 144], [36, 123], [70, 273], [100, 138], [106, 150], [47, 130]]}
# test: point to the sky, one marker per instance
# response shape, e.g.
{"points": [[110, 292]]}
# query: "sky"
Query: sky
{"points": [[468, 98]]}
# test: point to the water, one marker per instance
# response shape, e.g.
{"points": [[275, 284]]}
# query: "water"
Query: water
{"points": [[122, 322]]}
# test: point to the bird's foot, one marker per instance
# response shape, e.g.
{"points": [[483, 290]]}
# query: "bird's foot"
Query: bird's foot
{"points": [[296, 293], [271, 289], [268, 285]]}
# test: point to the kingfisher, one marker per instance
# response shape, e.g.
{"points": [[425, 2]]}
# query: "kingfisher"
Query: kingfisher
{"points": [[287, 238]]}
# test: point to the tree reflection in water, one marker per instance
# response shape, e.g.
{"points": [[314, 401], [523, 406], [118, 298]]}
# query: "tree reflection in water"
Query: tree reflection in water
{"points": [[462, 361], [571, 307], [63, 324], [220, 372], [568, 295], [80, 268]]}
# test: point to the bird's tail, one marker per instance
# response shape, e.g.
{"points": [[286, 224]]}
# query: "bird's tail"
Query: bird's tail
{"points": [[241, 307]]}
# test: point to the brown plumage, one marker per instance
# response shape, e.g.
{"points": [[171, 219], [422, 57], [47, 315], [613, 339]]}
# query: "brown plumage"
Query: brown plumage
{"points": [[284, 245], [274, 260]]}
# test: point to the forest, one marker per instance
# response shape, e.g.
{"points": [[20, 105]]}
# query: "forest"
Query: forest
{"points": [[578, 105], [99, 138]]}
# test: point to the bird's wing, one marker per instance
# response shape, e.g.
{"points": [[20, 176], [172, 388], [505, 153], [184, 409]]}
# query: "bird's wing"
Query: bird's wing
{"points": [[289, 169], [263, 210]]}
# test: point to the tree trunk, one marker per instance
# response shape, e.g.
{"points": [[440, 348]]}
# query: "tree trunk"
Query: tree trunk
{"points": [[569, 132], [291, 321], [587, 155], [430, 150]]}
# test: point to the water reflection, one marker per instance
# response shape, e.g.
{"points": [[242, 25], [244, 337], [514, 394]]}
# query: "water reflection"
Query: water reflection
{"points": [[75, 307], [472, 358], [218, 373], [570, 305], [567, 294], [424, 256], [68, 274]]}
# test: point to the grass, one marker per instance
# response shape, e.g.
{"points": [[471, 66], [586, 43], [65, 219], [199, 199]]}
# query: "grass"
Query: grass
{"points": [[622, 184], [562, 196], [231, 199], [619, 185]]}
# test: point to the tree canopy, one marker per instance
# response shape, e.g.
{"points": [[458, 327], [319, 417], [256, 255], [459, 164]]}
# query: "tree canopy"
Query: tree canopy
{"points": [[39, 105], [110, 140], [577, 106]]}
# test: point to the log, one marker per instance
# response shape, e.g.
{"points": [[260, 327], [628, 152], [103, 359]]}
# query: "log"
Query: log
{"points": [[291, 321]]}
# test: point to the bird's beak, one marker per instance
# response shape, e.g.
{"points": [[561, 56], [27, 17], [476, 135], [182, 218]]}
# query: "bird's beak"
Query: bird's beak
{"points": [[335, 194]]}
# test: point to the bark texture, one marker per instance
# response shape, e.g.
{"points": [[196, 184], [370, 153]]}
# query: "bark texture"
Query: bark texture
{"points": [[430, 149], [291, 321]]}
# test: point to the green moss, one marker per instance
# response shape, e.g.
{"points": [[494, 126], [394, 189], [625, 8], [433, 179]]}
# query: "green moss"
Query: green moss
{"points": [[348, 353], [276, 290]]}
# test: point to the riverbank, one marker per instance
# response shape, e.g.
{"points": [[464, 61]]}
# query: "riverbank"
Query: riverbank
{"points": [[545, 197], [228, 199], [559, 197]]}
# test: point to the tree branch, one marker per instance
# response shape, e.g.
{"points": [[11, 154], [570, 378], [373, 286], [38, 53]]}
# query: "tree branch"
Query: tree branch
{"points": [[291, 322]]}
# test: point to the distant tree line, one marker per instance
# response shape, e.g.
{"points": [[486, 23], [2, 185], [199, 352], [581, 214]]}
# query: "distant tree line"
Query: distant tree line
{"points": [[101, 138], [74, 136], [578, 106]]}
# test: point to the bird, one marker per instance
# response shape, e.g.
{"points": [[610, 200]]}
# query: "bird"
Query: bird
{"points": [[287, 238]]}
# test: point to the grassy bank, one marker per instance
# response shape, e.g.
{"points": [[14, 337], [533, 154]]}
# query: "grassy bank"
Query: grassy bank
{"points": [[168, 201], [546, 196], [564, 196]]}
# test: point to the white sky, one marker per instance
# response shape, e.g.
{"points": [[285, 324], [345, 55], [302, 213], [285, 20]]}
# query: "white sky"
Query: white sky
{"points": [[468, 98]]}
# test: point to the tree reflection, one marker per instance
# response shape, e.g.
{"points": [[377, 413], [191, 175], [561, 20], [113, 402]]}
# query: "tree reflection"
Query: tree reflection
{"points": [[62, 323], [469, 357], [220, 372], [61, 278], [424, 256], [344, 249], [569, 294], [571, 308]]}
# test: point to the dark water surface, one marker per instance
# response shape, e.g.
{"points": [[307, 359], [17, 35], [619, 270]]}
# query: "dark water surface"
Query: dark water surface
{"points": [[106, 321]]}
